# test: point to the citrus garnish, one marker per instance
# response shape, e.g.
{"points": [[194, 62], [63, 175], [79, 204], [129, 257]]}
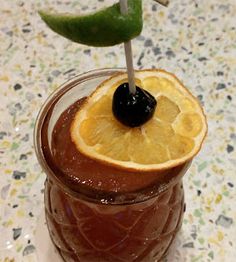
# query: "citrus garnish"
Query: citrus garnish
{"points": [[106, 27], [171, 137]]}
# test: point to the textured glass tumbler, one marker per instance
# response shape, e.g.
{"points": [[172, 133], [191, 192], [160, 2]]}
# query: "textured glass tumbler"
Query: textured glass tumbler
{"points": [[134, 226]]}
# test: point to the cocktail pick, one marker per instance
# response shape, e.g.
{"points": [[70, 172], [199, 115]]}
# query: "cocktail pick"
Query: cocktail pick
{"points": [[128, 52]]}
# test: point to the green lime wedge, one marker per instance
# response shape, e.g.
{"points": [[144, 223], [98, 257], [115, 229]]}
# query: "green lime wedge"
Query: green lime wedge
{"points": [[106, 27]]}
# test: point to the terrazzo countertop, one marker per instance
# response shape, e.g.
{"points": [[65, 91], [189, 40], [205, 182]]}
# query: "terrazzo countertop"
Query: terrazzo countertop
{"points": [[196, 40]]}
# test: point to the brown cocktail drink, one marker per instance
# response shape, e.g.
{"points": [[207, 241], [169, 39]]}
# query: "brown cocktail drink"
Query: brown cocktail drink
{"points": [[95, 211]]}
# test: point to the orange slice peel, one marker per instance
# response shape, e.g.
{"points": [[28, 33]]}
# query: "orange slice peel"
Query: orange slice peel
{"points": [[172, 137]]}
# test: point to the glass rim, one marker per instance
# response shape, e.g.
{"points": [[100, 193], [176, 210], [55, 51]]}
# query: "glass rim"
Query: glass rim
{"points": [[43, 113]]}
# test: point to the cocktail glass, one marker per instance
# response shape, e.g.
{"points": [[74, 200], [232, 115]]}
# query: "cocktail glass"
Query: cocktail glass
{"points": [[136, 223]]}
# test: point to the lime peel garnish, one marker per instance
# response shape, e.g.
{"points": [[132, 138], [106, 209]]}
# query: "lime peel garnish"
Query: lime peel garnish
{"points": [[106, 27]]}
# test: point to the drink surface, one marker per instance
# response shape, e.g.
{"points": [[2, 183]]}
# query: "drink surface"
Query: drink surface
{"points": [[81, 173]]}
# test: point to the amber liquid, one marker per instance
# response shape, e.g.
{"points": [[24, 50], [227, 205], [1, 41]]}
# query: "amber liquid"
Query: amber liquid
{"points": [[99, 213]]}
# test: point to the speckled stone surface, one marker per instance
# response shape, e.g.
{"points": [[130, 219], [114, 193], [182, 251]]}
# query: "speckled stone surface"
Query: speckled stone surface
{"points": [[196, 40]]}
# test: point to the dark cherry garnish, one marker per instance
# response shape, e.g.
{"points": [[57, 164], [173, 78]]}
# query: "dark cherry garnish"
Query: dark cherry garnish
{"points": [[133, 110]]}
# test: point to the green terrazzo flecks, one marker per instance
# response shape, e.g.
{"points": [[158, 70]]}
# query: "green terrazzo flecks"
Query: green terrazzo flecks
{"points": [[192, 39]]}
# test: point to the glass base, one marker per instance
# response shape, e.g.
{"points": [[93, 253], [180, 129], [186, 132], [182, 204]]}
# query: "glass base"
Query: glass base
{"points": [[47, 252], [87, 232]]}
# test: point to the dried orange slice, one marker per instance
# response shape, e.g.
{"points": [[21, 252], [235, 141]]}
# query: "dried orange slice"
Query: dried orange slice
{"points": [[173, 136]]}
